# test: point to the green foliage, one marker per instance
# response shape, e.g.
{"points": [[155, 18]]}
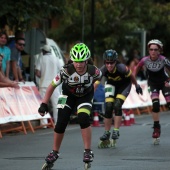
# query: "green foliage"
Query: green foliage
{"points": [[115, 21], [19, 14]]}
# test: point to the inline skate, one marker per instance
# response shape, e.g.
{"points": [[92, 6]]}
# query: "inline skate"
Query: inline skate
{"points": [[50, 159], [156, 134], [115, 136], [105, 140], [88, 158]]}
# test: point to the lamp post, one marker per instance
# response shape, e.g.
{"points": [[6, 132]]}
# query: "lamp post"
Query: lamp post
{"points": [[92, 28]]}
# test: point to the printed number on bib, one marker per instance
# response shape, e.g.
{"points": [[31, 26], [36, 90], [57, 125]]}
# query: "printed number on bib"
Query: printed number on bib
{"points": [[62, 101]]}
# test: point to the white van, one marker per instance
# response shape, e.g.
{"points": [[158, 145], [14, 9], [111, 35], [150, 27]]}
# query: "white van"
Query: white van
{"points": [[55, 50]]}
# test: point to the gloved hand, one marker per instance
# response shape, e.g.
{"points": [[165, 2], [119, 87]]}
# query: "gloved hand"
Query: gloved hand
{"points": [[139, 89], [43, 109]]}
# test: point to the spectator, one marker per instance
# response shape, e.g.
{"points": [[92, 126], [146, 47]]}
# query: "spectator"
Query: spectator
{"points": [[47, 68], [4, 81], [132, 63], [6, 52], [16, 60]]}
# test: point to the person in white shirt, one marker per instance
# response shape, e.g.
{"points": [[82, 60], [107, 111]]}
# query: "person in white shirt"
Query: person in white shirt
{"points": [[47, 68]]}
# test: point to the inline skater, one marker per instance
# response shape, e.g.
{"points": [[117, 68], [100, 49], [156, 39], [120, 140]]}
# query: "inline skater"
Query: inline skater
{"points": [[119, 79], [77, 92], [156, 65]]}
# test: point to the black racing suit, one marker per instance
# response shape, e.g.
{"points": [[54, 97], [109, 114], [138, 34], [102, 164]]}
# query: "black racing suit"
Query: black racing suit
{"points": [[80, 91], [120, 79]]}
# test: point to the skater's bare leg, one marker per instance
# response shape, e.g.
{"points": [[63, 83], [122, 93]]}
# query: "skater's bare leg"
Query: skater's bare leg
{"points": [[57, 141], [107, 124], [115, 133], [155, 116], [117, 122], [54, 154], [157, 128], [86, 135], [88, 154]]}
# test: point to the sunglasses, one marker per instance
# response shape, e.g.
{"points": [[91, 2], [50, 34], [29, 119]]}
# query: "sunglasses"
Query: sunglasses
{"points": [[20, 44], [153, 49], [111, 63]]}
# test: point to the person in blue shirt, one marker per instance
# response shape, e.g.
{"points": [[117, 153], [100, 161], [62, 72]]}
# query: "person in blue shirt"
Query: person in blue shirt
{"points": [[6, 52]]}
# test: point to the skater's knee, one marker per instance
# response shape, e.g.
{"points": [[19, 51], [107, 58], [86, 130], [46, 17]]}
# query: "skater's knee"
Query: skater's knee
{"points": [[83, 120], [156, 105], [60, 127], [118, 107], [109, 110]]}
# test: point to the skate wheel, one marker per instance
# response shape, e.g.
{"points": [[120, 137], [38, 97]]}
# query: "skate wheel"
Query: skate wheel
{"points": [[47, 166], [104, 144], [113, 143], [87, 165], [156, 141]]}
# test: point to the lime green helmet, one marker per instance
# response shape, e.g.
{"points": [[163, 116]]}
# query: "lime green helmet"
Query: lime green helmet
{"points": [[79, 52]]}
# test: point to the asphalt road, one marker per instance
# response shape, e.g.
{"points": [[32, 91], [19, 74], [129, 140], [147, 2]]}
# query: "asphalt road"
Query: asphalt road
{"points": [[134, 151]]}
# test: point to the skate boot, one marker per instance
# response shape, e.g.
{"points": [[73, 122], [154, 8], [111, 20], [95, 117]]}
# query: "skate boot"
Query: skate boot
{"points": [[50, 159], [104, 140], [115, 136], [156, 134], [88, 158]]}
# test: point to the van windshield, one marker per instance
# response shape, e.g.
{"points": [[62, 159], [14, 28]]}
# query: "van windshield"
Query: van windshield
{"points": [[56, 52]]}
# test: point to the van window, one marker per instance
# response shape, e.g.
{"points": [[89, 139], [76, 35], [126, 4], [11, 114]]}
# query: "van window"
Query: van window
{"points": [[56, 51]]}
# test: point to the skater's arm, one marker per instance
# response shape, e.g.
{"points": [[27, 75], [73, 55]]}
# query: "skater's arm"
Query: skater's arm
{"points": [[139, 66], [138, 88], [133, 79], [96, 83]]}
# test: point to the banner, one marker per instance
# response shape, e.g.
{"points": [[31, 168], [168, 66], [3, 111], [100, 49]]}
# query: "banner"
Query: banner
{"points": [[133, 100], [21, 104], [138, 101]]}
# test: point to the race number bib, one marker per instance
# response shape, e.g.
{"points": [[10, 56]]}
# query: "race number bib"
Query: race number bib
{"points": [[109, 90], [62, 101]]}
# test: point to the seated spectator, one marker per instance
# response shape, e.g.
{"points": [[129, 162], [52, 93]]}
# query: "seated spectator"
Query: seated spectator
{"points": [[6, 52], [4, 81], [16, 60]]}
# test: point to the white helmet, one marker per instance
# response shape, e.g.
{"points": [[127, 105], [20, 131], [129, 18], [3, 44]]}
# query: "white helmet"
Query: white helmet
{"points": [[157, 42]]}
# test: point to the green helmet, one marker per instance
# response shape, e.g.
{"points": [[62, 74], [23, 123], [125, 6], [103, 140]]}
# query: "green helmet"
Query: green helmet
{"points": [[79, 52]]}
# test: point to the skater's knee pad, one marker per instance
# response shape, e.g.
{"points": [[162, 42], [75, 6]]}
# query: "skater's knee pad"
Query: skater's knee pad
{"points": [[109, 110], [63, 119], [60, 127], [118, 107], [83, 120], [156, 105]]}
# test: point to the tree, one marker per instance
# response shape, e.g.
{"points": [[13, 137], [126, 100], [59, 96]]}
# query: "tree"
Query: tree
{"points": [[113, 21], [114, 24], [21, 14]]}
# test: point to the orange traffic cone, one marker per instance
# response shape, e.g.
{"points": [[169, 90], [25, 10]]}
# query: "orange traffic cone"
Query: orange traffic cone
{"points": [[127, 120], [132, 117], [96, 120]]}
